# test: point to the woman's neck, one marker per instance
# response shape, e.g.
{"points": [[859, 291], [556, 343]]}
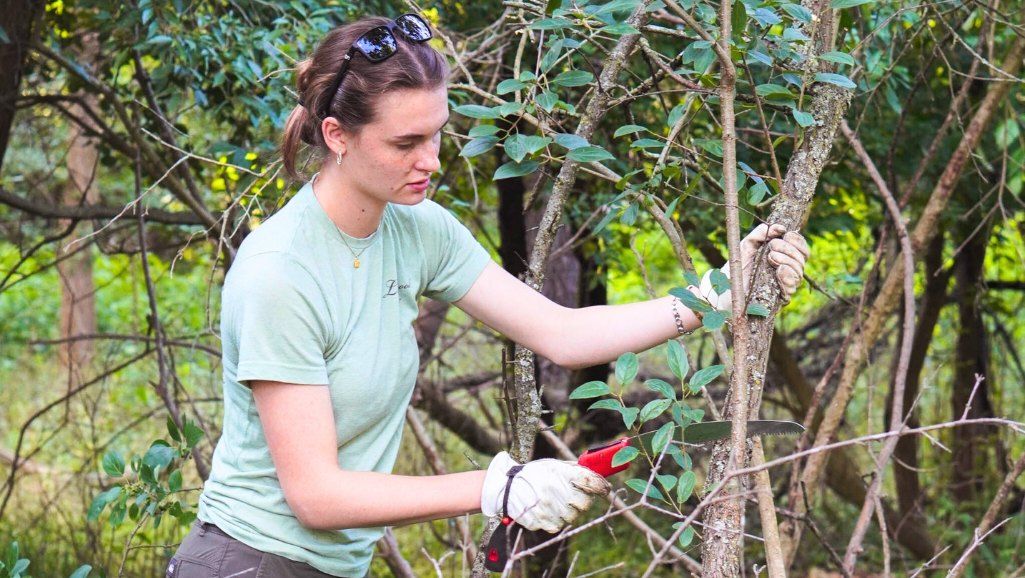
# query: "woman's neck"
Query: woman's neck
{"points": [[356, 214]]}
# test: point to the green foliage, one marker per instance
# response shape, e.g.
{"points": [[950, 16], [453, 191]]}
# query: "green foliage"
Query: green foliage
{"points": [[13, 565], [153, 488]]}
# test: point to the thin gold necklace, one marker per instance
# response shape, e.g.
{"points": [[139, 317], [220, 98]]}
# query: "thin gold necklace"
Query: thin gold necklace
{"points": [[341, 235]]}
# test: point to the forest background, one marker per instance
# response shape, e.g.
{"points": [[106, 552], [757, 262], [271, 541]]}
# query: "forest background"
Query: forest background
{"points": [[606, 152]]}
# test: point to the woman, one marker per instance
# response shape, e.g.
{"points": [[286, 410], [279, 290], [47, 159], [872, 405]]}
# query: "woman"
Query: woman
{"points": [[320, 357]]}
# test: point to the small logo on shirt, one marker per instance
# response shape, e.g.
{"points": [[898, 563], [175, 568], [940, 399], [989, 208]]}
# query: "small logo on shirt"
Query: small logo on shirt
{"points": [[392, 287]]}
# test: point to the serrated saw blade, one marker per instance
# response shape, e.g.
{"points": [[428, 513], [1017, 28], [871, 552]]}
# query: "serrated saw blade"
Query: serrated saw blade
{"points": [[697, 433]]}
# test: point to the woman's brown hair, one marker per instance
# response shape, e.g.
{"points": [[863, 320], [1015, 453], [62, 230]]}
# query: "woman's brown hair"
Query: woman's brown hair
{"points": [[414, 65]]}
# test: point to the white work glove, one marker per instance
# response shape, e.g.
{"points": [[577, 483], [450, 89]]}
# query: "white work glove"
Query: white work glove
{"points": [[545, 495], [788, 252]]}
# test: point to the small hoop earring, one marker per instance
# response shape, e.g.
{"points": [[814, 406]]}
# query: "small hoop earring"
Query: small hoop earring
{"points": [[338, 160]]}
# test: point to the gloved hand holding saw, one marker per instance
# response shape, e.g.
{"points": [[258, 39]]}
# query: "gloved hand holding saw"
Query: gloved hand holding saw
{"points": [[544, 494], [788, 252]]}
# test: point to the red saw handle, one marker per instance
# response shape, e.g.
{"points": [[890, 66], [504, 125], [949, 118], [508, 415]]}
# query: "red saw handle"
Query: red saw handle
{"points": [[599, 459]]}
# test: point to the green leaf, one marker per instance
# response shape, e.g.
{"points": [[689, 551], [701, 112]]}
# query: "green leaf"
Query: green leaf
{"points": [[113, 464], [612, 403], [774, 92], [720, 282], [675, 115], [174, 481], [837, 79], [638, 485], [838, 57], [620, 29], [510, 108], [711, 146], [629, 416], [676, 357], [686, 537], [476, 111], [19, 567], [758, 310], [757, 192], [685, 487], [667, 481], [551, 24], [1007, 133], [82, 571], [683, 460], [573, 78], [626, 368], [510, 85], [616, 6], [738, 19], [690, 300], [478, 146], [654, 408], [483, 130], [704, 376], [628, 129], [797, 12], [513, 169], [625, 455], [647, 143], [662, 437], [713, 320], [547, 100], [552, 55], [192, 434], [804, 119], [159, 456], [841, 4], [172, 430], [101, 501], [160, 39], [570, 141], [516, 147], [589, 390], [662, 387], [590, 154]]}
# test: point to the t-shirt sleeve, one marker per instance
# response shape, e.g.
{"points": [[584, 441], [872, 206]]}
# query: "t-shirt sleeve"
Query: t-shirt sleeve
{"points": [[279, 321], [454, 257]]}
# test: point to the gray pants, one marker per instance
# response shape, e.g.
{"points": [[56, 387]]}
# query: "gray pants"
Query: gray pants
{"points": [[207, 552]]}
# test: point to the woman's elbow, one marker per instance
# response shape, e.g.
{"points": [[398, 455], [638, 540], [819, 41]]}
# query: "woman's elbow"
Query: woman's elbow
{"points": [[308, 515]]}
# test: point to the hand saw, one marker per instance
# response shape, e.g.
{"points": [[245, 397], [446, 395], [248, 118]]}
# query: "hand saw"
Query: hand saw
{"points": [[599, 459]]}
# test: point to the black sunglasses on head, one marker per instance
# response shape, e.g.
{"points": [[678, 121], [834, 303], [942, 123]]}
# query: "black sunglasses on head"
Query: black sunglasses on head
{"points": [[379, 43]]}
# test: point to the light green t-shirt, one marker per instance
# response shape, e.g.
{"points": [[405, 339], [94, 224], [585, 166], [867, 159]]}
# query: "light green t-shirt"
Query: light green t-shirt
{"points": [[294, 309]]}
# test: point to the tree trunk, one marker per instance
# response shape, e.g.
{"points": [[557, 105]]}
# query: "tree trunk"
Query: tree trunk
{"points": [[721, 545], [19, 20], [968, 463], [78, 304]]}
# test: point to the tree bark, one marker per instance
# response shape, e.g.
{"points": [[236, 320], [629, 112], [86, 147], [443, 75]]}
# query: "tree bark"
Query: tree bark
{"points": [[526, 401], [828, 105], [19, 20], [968, 463], [78, 303]]}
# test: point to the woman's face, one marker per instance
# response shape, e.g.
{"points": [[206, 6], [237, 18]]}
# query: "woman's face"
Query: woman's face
{"points": [[392, 159]]}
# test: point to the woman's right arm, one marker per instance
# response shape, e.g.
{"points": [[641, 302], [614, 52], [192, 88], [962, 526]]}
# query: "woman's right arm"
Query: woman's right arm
{"points": [[300, 430]]}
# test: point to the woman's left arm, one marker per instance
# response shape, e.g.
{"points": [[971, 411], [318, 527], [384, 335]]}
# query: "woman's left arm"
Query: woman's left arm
{"points": [[576, 338], [572, 338]]}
